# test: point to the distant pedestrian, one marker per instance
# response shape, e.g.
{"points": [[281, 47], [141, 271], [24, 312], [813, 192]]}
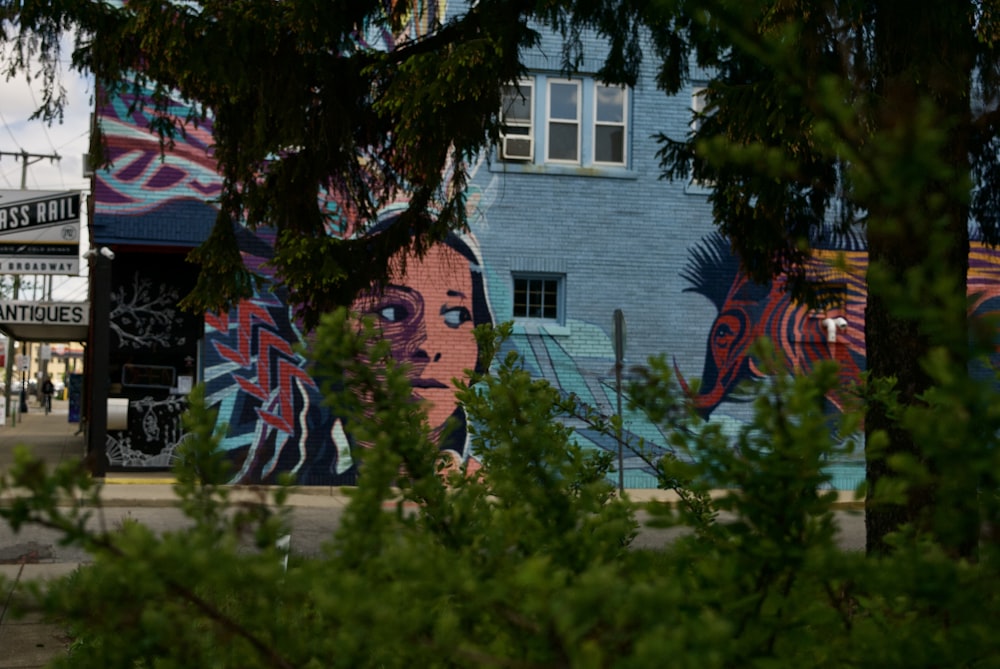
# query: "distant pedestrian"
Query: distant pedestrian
{"points": [[47, 390]]}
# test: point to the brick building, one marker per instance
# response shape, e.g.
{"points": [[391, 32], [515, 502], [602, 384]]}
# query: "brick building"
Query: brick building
{"points": [[569, 221]]}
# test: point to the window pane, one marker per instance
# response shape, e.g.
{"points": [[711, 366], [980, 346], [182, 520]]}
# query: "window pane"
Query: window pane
{"points": [[549, 299], [520, 297], [562, 141], [609, 144], [563, 101], [537, 297], [534, 302], [517, 104], [610, 104]]}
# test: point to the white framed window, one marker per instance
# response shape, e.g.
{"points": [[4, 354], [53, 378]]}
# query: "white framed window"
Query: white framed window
{"points": [[517, 141], [610, 105], [539, 297], [563, 124], [698, 104], [563, 121]]}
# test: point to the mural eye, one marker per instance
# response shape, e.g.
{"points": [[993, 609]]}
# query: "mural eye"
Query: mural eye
{"points": [[393, 313], [723, 333], [456, 316]]}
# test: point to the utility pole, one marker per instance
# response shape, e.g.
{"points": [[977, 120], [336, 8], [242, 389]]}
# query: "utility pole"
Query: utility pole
{"points": [[29, 159], [26, 159]]}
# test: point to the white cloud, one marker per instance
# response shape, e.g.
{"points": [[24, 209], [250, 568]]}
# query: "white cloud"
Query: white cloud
{"points": [[69, 139]]}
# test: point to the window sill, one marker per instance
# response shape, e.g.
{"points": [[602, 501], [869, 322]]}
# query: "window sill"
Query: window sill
{"points": [[698, 188], [598, 171], [541, 328]]}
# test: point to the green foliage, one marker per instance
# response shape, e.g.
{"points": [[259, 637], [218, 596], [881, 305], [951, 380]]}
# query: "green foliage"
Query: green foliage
{"points": [[836, 119], [526, 562], [322, 113], [529, 562]]}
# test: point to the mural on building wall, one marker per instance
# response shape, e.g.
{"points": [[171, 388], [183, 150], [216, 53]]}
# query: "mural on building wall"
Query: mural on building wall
{"points": [[140, 181], [260, 384], [153, 353], [258, 379], [748, 311]]}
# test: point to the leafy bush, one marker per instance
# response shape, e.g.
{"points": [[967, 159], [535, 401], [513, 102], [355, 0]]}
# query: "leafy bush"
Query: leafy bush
{"points": [[526, 563]]}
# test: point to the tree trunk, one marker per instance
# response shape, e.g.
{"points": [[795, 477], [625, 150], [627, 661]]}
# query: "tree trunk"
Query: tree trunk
{"points": [[921, 54]]}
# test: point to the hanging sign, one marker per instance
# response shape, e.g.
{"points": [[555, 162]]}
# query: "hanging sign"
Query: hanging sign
{"points": [[39, 232], [45, 313]]}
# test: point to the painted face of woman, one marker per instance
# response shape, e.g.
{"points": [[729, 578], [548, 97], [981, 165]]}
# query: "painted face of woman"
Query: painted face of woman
{"points": [[427, 318]]}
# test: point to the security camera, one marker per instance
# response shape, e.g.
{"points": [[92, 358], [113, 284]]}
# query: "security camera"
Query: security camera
{"points": [[107, 253]]}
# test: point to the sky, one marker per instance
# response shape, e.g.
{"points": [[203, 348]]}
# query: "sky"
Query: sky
{"points": [[68, 139]]}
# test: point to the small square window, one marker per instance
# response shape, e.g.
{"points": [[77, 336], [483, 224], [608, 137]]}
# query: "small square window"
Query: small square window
{"points": [[538, 297]]}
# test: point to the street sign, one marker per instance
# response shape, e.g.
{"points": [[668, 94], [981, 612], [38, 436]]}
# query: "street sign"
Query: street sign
{"points": [[618, 335], [44, 313], [39, 232]]}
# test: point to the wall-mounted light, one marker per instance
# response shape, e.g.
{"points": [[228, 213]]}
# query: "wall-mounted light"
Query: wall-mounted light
{"points": [[832, 325]]}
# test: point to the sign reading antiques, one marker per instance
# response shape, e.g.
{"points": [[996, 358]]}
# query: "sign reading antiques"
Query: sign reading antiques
{"points": [[45, 313], [39, 232]]}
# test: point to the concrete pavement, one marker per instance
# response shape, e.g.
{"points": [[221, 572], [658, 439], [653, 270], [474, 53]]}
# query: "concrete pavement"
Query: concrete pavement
{"points": [[28, 640]]}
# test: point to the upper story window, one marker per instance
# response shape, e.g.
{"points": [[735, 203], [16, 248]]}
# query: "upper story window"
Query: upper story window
{"points": [[575, 121], [518, 141], [563, 123], [698, 107], [609, 124]]}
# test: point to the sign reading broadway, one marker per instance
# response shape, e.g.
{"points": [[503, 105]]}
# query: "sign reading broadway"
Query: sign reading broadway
{"points": [[39, 232]]}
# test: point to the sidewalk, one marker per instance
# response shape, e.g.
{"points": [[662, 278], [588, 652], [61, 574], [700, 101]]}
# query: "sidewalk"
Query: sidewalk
{"points": [[30, 641]]}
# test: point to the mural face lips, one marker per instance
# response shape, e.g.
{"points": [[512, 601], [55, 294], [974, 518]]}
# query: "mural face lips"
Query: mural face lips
{"points": [[427, 383]]}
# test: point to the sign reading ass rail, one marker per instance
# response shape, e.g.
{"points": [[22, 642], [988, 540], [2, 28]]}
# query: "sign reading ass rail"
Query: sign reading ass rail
{"points": [[39, 232]]}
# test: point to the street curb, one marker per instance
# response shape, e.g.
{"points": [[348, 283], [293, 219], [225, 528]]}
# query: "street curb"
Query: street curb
{"points": [[121, 492]]}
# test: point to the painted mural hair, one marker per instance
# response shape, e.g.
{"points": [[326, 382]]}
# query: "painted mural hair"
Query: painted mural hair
{"points": [[711, 268]]}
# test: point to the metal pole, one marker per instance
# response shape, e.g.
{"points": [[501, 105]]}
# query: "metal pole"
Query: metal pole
{"points": [[618, 335], [24, 382], [9, 371], [97, 365], [621, 448]]}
